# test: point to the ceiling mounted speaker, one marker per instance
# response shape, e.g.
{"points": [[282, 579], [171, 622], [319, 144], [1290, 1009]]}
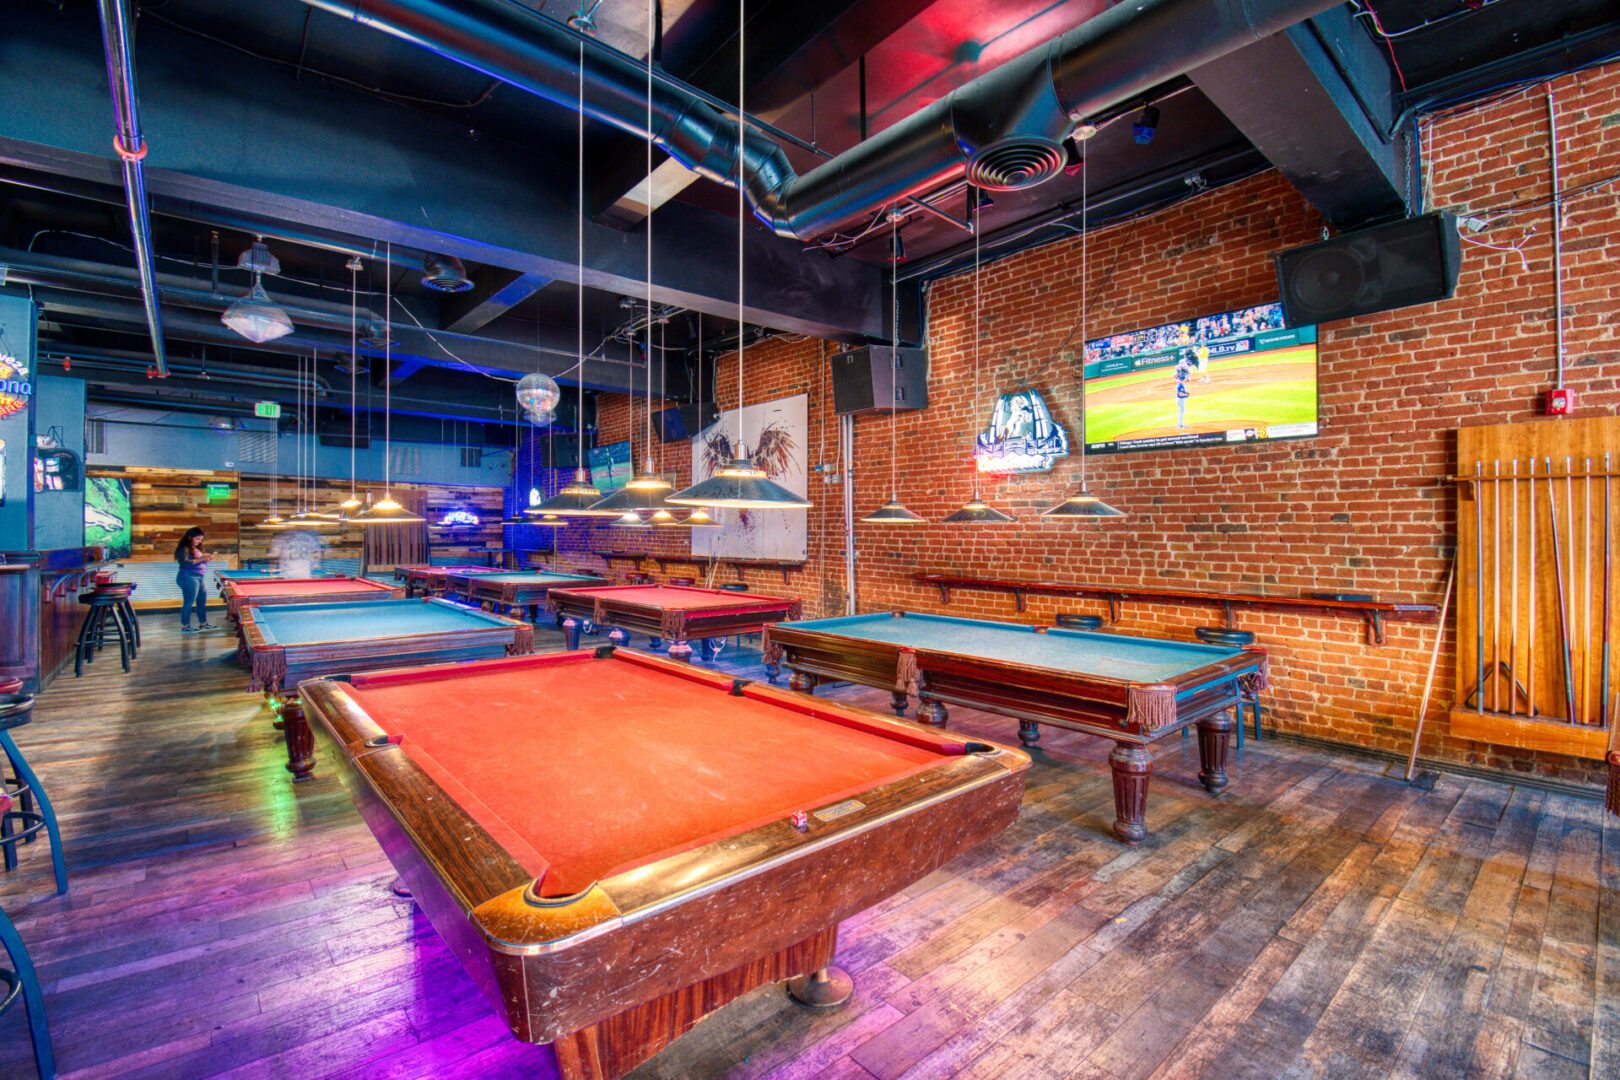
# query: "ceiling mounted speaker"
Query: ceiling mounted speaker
{"points": [[1015, 163], [1408, 262], [444, 273]]}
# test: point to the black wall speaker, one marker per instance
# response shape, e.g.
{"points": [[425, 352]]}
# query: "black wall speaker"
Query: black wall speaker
{"points": [[865, 379], [685, 421], [1388, 266]]}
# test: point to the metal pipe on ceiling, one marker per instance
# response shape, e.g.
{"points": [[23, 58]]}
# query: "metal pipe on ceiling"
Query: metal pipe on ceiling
{"points": [[1004, 130], [117, 40], [80, 275]]}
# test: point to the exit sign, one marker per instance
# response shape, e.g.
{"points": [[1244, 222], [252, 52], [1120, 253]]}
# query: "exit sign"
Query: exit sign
{"points": [[218, 492], [267, 410]]}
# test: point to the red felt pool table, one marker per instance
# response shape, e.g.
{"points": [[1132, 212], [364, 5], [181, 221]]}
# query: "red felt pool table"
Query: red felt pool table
{"points": [[329, 590], [676, 613], [607, 892]]}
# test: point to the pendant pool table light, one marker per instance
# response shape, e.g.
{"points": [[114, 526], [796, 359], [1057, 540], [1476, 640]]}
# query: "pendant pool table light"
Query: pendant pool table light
{"points": [[1082, 504], [579, 496], [975, 511], [387, 510], [894, 512], [740, 484], [644, 493], [352, 505]]}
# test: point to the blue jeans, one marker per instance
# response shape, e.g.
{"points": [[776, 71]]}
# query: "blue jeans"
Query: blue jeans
{"points": [[193, 596]]}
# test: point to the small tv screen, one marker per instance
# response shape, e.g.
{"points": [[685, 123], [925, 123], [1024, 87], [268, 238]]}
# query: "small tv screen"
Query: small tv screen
{"points": [[1238, 377], [610, 466]]}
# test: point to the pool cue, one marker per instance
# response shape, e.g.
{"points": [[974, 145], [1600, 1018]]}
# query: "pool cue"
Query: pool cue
{"points": [[1496, 590], [1479, 585], [1531, 693], [1608, 581], [1513, 589], [1428, 680], [1586, 593], [1563, 610]]}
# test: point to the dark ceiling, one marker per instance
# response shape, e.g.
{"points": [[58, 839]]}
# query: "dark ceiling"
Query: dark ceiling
{"points": [[822, 73]]}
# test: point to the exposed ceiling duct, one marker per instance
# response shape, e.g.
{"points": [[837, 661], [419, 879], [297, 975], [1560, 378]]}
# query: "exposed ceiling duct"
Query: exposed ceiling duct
{"points": [[116, 38], [1003, 130]]}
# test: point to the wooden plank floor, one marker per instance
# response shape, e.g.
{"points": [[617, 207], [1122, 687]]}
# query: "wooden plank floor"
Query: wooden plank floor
{"points": [[1319, 919]]}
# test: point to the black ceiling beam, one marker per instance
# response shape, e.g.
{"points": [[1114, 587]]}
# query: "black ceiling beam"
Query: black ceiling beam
{"points": [[231, 138], [1319, 101], [495, 291]]}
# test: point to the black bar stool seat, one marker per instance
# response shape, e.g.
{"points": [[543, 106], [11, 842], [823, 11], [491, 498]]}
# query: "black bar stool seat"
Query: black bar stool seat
{"points": [[1072, 621], [30, 808], [104, 618], [1247, 694]]}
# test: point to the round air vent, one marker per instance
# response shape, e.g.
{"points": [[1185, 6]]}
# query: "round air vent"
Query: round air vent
{"points": [[1015, 163], [445, 273]]}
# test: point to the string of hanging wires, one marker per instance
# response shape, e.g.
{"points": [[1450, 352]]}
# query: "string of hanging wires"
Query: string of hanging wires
{"points": [[652, 44]]}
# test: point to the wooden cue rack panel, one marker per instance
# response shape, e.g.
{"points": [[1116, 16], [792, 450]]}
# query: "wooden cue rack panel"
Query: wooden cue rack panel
{"points": [[1537, 516]]}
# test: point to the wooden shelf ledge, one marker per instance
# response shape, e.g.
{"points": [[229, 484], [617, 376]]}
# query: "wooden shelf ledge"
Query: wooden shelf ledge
{"points": [[1375, 613]]}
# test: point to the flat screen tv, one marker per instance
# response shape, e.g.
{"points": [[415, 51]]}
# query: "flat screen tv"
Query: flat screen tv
{"points": [[1238, 377], [610, 466]]}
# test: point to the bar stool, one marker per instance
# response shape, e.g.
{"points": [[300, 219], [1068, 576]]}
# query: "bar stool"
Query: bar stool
{"points": [[1247, 694], [103, 618], [124, 592], [22, 788], [21, 981], [683, 581], [1080, 622], [735, 586]]}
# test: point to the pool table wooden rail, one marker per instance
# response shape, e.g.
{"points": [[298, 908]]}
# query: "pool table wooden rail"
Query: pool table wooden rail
{"points": [[1117, 709], [612, 974]]}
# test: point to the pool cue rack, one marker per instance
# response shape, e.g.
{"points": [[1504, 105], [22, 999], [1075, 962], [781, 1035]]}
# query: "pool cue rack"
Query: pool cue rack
{"points": [[1537, 513]]}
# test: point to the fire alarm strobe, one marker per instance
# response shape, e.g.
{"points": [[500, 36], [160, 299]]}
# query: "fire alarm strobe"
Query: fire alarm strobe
{"points": [[1560, 401]]}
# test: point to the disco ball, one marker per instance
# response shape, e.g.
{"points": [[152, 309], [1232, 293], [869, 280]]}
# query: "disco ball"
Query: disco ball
{"points": [[538, 395]]}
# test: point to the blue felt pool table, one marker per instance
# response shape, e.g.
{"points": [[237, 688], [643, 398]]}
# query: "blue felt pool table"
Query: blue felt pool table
{"points": [[1133, 690], [287, 643]]}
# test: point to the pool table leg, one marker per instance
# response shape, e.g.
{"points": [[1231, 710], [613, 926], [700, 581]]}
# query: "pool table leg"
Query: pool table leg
{"points": [[804, 684], [681, 651], [1213, 736], [1132, 766], [899, 702], [825, 989], [1029, 732], [300, 739], [932, 713]]}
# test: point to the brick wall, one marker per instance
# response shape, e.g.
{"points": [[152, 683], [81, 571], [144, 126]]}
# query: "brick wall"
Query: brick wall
{"points": [[1364, 506]]}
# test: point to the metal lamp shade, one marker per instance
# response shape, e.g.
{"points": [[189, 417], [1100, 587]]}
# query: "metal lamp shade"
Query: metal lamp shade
{"points": [[741, 486]]}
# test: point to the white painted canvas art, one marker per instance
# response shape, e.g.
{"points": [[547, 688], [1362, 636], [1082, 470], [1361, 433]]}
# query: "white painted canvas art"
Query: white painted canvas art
{"points": [[776, 434]]}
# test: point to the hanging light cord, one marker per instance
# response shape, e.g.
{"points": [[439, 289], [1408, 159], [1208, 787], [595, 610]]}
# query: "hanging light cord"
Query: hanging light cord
{"points": [[579, 255], [894, 355], [742, 113], [652, 37], [978, 329], [388, 373], [1085, 179], [354, 361]]}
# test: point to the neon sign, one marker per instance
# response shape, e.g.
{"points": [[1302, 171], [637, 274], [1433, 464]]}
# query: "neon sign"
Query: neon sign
{"points": [[1022, 436], [15, 389]]}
